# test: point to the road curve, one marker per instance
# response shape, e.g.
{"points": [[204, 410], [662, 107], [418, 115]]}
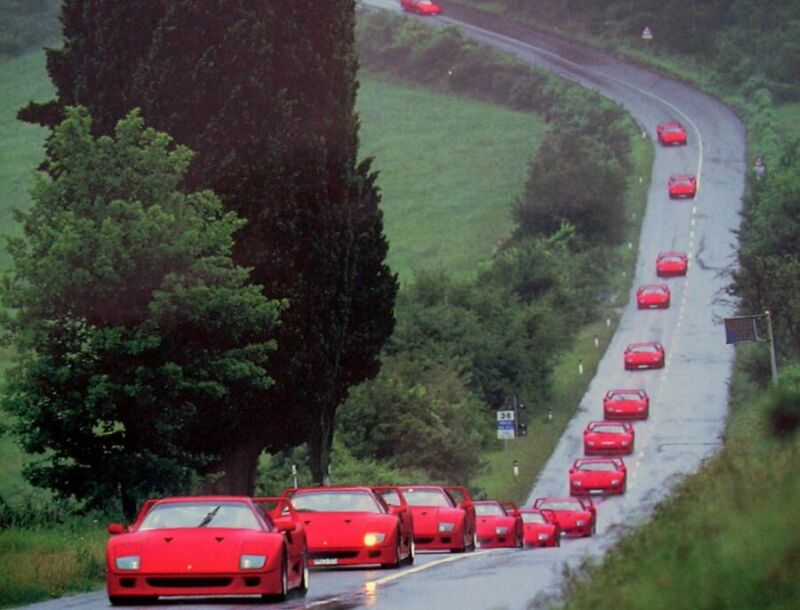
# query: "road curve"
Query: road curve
{"points": [[688, 397]]}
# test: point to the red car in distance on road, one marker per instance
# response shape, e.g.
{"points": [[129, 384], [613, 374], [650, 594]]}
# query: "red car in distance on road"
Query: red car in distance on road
{"points": [[649, 355], [597, 475], [669, 264], [421, 7], [682, 186], [496, 526], [626, 404], [671, 134], [608, 438], [538, 530], [574, 516], [204, 546], [653, 296], [348, 526], [444, 517]]}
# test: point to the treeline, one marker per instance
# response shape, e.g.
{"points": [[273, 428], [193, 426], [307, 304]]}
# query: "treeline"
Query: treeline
{"points": [[747, 44], [462, 348], [25, 24]]}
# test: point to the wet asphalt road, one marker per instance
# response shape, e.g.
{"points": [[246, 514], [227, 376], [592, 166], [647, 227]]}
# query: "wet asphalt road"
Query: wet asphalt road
{"points": [[688, 397]]}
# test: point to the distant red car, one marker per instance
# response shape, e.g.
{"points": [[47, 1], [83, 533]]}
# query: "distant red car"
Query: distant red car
{"points": [[205, 546], [608, 438], [682, 186], [539, 531], [649, 355], [574, 516], [598, 475], [496, 526], [653, 296], [421, 7], [444, 517], [626, 404], [671, 134], [670, 264], [348, 526]]}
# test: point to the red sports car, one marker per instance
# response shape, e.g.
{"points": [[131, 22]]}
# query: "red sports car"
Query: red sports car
{"points": [[444, 517], [671, 134], [574, 516], [653, 296], [682, 186], [671, 263], [608, 438], [421, 7], [626, 404], [207, 546], [648, 355], [597, 475], [348, 526], [496, 526], [538, 530]]}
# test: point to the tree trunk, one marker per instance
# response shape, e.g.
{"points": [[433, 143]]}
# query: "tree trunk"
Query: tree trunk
{"points": [[319, 449], [235, 474]]}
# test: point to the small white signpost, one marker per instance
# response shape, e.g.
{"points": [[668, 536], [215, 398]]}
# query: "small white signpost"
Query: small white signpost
{"points": [[647, 33], [505, 424]]}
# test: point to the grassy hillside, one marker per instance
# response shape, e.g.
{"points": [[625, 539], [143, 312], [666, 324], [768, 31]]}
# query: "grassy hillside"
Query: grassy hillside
{"points": [[450, 168]]}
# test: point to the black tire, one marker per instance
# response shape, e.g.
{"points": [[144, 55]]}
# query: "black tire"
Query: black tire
{"points": [[302, 589], [397, 548], [412, 553], [279, 597]]}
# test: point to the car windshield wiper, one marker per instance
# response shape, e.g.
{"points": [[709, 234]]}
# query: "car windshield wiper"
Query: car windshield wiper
{"points": [[209, 517]]}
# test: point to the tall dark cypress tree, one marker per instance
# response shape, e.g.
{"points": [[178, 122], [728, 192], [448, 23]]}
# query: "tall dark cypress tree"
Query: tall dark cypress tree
{"points": [[264, 92]]}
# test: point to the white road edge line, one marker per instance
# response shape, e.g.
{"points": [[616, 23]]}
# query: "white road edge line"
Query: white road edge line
{"points": [[427, 566]]}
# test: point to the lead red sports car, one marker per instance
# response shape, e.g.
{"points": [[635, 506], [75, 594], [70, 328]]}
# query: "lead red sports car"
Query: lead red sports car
{"points": [[649, 355], [421, 7], [496, 526], [348, 526], [206, 546], [671, 263], [671, 134], [608, 438], [598, 475], [444, 517], [653, 296], [682, 186], [538, 530], [626, 404], [574, 516]]}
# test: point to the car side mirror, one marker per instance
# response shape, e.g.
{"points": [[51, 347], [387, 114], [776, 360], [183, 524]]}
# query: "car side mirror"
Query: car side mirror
{"points": [[395, 509], [116, 528]]}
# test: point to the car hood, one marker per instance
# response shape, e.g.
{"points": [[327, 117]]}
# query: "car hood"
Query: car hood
{"points": [[344, 529], [428, 518], [197, 549]]}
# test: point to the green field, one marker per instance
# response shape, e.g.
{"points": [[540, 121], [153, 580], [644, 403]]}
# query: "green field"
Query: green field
{"points": [[450, 169]]}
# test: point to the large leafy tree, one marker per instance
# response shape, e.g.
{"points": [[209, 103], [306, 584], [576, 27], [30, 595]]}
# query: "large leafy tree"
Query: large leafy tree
{"points": [[264, 91], [142, 347]]}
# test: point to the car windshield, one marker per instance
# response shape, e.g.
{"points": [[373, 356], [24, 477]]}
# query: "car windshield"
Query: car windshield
{"points": [[639, 349], [561, 505], [489, 510], [652, 290], [533, 518], [673, 128], [427, 497], [169, 515], [625, 396], [335, 501], [608, 429], [597, 467], [673, 258]]}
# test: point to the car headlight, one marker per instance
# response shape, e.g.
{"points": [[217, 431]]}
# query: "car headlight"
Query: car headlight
{"points": [[542, 536], [252, 562], [576, 483], [501, 531], [626, 443], [374, 538], [590, 443], [641, 408], [447, 527], [580, 523], [615, 481], [129, 562]]}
